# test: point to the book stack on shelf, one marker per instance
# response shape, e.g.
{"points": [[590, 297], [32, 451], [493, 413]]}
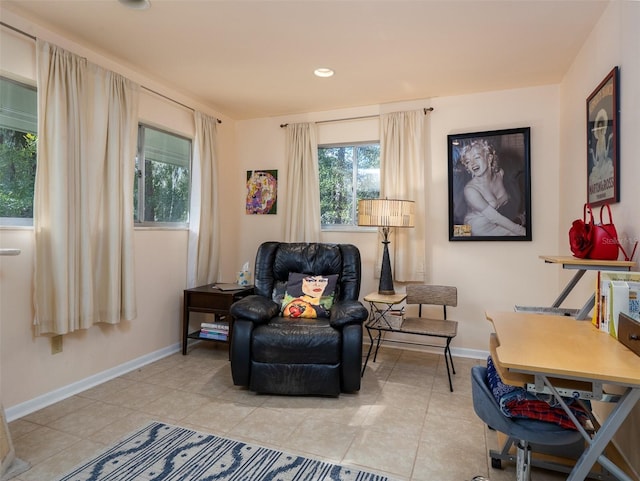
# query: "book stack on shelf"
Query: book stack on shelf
{"points": [[218, 331], [616, 292]]}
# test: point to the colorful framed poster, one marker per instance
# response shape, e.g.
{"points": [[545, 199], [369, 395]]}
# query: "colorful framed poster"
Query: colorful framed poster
{"points": [[262, 192]]}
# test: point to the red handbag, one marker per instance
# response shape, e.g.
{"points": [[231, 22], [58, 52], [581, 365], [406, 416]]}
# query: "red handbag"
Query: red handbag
{"points": [[605, 239], [589, 240]]}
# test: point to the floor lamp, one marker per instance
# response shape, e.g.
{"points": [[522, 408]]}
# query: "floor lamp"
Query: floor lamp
{"points": [[386, 213]]}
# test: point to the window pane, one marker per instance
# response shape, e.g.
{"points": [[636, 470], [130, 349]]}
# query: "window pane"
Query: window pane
{"points": [[368, 176], [166, 148], [336, 185], [163, 177], [18, 124], [347, 173], [166, 192], [18, 106]]}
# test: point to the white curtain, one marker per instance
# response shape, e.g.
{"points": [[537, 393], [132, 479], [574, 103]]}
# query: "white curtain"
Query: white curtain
{"points": [[302, 221], [402, 177], [83, 201], [204, 225]]}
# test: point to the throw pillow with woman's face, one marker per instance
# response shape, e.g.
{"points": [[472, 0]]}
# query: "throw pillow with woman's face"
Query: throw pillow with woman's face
{"points": [[309, 295]]}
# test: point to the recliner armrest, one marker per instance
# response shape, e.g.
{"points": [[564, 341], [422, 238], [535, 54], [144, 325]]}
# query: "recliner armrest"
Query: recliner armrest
{"points": [[254, 308], [347, 312]]}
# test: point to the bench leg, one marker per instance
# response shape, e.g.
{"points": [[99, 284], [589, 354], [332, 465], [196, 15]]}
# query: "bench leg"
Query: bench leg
{"points": [[449, 360]]}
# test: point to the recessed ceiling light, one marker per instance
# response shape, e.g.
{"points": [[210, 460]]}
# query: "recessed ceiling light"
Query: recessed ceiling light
{"points": [[323, 72], [136, 4]]}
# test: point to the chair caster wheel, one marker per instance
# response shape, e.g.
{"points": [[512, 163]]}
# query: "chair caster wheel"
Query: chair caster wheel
{"points": [[496, 463]]}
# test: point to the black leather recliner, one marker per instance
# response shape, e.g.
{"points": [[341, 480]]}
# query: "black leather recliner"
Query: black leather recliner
{"points": [[284, 355]]}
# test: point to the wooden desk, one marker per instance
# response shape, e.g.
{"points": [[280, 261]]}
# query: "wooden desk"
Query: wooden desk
{"points": [[555, 349], [582, 266]]}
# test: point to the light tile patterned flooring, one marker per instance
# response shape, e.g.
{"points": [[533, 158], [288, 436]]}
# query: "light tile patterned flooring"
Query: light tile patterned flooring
{"points": [[404, 422]]}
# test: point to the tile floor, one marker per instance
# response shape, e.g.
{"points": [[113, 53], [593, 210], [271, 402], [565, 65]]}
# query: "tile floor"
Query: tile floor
{"points": [[404, 422]]}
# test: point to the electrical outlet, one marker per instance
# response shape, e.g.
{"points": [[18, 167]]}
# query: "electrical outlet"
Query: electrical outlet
{"points": [[56, 344]]}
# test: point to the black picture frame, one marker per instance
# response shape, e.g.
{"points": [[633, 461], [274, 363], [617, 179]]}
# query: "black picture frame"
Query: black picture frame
{"points": [[496, 206], [603, 160]]}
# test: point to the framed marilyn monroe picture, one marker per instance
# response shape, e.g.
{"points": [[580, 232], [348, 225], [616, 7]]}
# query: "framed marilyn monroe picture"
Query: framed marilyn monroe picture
{"points": [[490, 185]]}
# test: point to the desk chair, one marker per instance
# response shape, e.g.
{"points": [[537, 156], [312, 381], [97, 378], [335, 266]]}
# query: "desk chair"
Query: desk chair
{"points": [[525, 430], [425, 294]]}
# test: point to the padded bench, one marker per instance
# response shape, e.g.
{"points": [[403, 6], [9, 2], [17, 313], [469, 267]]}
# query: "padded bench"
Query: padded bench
{"points": [[444, 329]]}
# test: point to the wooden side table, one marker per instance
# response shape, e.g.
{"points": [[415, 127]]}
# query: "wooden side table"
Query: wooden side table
{"points": [[212, 300]]}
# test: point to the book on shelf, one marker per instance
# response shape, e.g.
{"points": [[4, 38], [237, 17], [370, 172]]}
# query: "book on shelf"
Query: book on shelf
{"points": [[222, 326], [219, 336], [214, 330], [616, 292]]}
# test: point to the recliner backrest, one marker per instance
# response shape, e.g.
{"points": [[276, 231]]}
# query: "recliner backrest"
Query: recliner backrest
{"points": [[275, 260]]}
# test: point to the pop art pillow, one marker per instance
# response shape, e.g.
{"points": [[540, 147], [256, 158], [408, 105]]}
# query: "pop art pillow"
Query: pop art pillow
{"points": [[309, 296]]}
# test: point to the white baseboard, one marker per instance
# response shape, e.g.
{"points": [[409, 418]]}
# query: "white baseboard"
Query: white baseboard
{"points": [[469, 353], [19, 410], [410, 346]]}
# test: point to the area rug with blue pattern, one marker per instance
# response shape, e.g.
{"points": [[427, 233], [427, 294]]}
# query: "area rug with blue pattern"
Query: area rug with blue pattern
{"points": [[161, 452]]}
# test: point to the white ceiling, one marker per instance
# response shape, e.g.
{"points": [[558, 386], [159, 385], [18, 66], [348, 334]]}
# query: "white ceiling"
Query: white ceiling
{"points": [[255, 58]]}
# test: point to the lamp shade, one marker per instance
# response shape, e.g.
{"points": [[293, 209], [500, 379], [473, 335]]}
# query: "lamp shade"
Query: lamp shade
{"points": [[386, 213]]}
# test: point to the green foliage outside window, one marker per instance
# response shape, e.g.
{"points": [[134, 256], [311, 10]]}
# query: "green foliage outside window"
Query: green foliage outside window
{"points": [[166, 193], [161, 190], [17, 173], [348, 173]]}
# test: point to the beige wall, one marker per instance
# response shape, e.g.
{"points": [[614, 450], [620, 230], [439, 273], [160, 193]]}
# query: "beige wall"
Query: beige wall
{"points": [[614, 41], [489, 275]]}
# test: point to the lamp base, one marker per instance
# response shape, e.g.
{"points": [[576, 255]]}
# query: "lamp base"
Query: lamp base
{"points": [[385, 287]]}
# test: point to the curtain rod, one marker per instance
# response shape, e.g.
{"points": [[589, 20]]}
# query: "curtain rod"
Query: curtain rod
{"points": [[142, 86], [425, 110], [174, 101], [18, 30]]}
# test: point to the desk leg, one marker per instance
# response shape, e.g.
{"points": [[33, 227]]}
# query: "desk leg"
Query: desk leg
{"points": [[597, 445], [584, 312], [569, 287]]}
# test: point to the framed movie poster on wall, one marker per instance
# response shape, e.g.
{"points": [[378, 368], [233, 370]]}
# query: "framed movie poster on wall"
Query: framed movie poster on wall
{"points": [[490, 186], [603, 162]]}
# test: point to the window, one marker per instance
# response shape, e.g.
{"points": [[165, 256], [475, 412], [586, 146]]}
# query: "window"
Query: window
{"points": [[18, 126], [161, 192], [348, 173]]}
